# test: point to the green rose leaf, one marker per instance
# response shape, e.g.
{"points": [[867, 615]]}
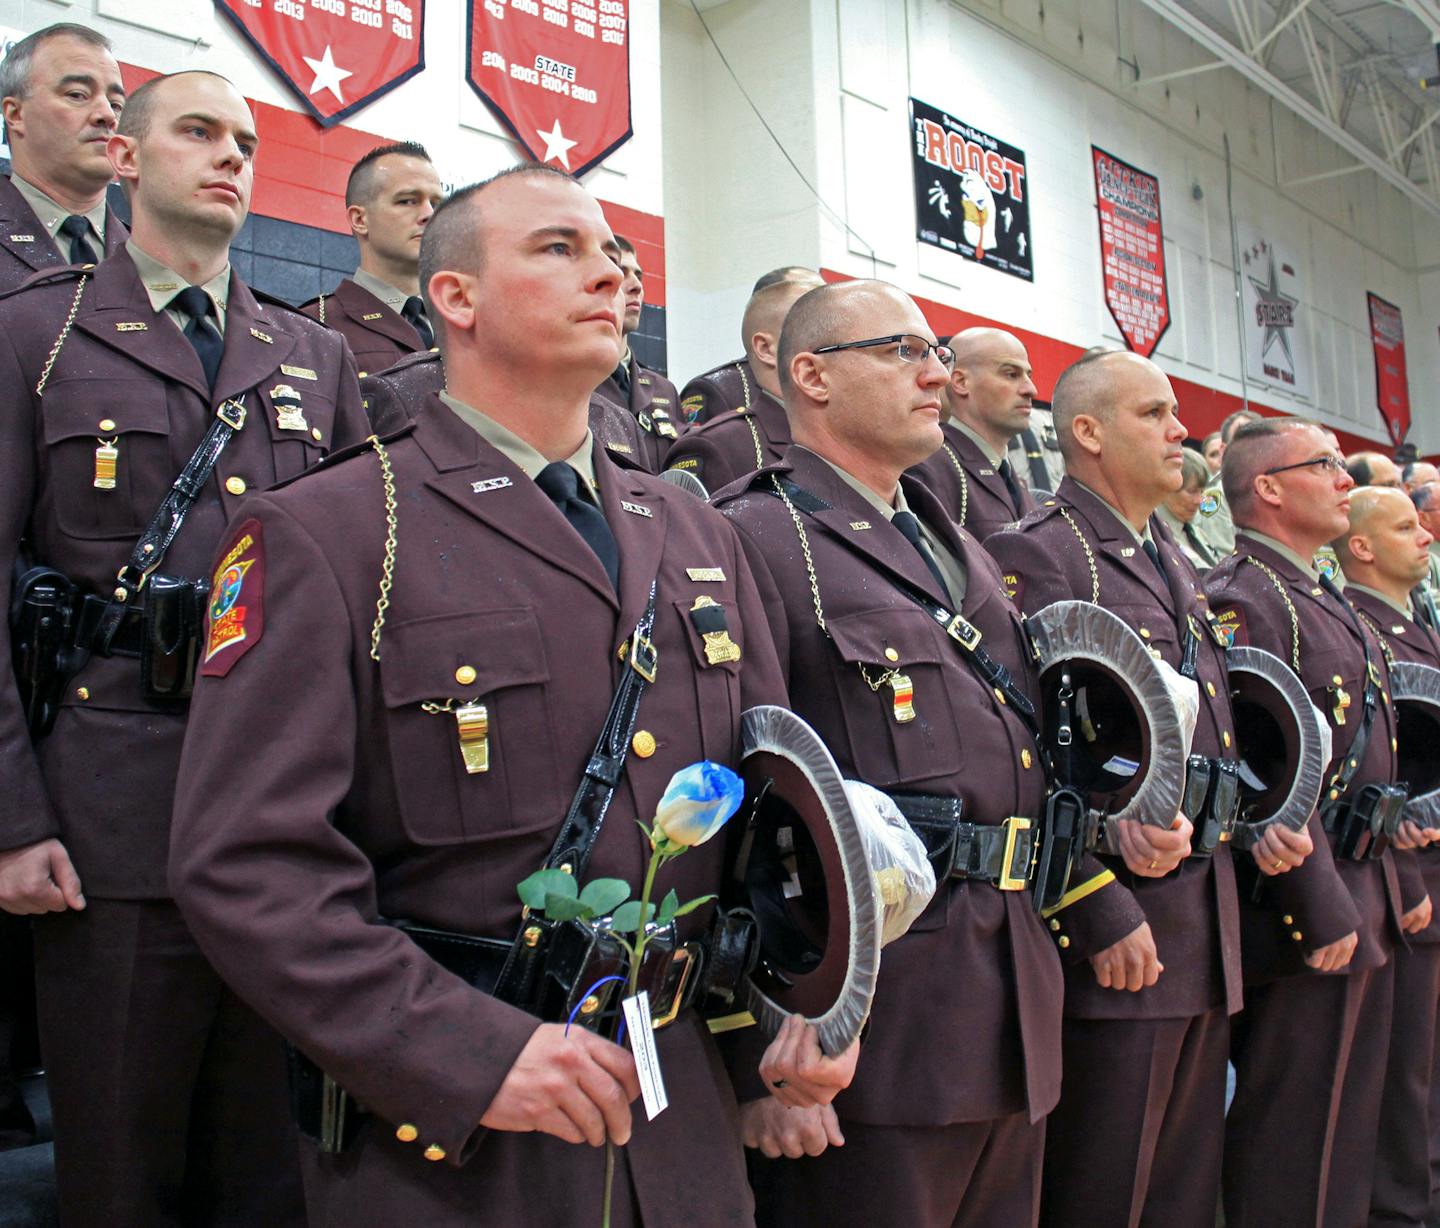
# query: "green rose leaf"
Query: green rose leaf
{"points": [[604, 895], [532, 890], [627, 917], [692, 905], [667, 908], [564, 908]]}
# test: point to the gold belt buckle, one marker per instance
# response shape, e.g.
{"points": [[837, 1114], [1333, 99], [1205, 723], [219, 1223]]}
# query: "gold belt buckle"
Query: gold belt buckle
{"points": [[659, 1021], [1008, 880]]}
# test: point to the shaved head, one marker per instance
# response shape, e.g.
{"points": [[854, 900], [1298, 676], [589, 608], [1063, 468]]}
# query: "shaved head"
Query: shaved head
{"points": [[1368, 502], [765, 313], [1082, 389], [1255, 447], [796, 273], [976, 344], [820, 317], [1385, 547]]}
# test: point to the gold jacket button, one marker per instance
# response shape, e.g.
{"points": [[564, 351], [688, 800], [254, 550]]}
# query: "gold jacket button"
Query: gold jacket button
{"points": [[407, 1133], [1063, 941], [316, 434], [1210, 689], [1144, 633], [1026, 758], [465, 675], [433, 1152], [1297, 935], [1055, 925], [236, 486], [891, 655], [1288, 919], [106, 424], [82, 692], [643, 743]]}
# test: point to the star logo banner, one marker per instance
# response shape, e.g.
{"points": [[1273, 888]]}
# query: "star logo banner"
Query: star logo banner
{"points": [[336, 55], [1277, 325], [556, 73]]}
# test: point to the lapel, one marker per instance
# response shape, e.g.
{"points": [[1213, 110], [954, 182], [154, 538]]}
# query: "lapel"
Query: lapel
{"points": [[248, 360], [118, 298], [515, 507], [21, 233], [116, 232], [1108, 537], [1177, 570], [881, 545], [358, 303], [1303, 590], [961, 544], [641, 538], [978, 467], [774, 423]]}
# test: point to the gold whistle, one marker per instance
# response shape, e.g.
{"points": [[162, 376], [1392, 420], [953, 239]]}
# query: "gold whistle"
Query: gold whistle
{"points": [[107, 459], [472, 721], [904, 691]]}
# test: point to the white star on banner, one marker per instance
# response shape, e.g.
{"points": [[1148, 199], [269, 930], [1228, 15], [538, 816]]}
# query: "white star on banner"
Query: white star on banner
{"points": [[328, 75], [557, 145]]}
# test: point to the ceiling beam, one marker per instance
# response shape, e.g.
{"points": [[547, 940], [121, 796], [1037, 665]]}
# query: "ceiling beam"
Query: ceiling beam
{"points": [[1223, 49]]}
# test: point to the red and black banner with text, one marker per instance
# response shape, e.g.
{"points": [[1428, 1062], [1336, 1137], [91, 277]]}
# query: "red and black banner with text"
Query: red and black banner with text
{"points": [[1132, 251], [1392, 385], [557, 73], [336, 55]]}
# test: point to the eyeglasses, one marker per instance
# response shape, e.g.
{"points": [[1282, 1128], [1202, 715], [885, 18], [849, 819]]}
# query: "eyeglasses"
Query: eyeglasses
{"points": [[1330, 463], [908, 347]]}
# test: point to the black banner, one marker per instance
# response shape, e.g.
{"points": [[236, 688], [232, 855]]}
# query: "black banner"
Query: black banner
{"points": [[971, 193]]}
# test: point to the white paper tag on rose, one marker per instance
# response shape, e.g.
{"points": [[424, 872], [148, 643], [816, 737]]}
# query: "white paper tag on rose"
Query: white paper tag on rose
{"points": [[647, 1060]]}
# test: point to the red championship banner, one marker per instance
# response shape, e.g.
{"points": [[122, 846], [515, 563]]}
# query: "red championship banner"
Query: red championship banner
{"points": [[1132, 250], [557, 73], [1392, 386], [337, 55]]}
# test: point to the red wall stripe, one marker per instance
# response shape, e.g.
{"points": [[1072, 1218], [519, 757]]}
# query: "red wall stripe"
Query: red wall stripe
{"points": [[301, 170]]}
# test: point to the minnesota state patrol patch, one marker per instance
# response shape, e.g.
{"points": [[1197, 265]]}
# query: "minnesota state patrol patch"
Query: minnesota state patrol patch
{"points": [[235, 617], [1228, 624], [1014, 585]]}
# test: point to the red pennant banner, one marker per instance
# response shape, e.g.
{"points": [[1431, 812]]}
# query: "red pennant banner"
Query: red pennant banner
{"points": [[1392, 385], [337, 55], [557, 73], [1132, 251]]}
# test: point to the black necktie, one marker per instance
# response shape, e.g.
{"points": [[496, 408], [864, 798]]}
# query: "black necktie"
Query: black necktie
{"points": [[562, 484], [1202, 551], [200, 331], [910, 529], [622, 378], [76, 228], [1039, 478], [414, 311], [1016, 498], [1154, 555]]}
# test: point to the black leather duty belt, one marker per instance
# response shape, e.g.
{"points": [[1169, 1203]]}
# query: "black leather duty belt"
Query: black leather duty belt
{"points": [[1002, 854]]}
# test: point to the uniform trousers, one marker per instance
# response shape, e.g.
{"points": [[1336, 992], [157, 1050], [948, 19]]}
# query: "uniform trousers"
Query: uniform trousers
{"points": [[1310, 1055], [982, 1174], [1401, 1190], [1136, 1138], [17, 1017], [168, 1094]]}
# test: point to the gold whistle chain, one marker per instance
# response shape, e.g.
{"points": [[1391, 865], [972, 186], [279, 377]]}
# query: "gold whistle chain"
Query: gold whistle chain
{"points": [[1289, 606], [1089, 556], [964, 484]]}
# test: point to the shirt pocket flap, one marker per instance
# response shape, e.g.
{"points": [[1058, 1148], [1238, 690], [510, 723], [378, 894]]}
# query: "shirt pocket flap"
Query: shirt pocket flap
{"points": [[460, 656], [892, 637], [95, 408]]}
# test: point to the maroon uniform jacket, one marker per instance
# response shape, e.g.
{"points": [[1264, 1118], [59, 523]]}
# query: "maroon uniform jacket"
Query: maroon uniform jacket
{"points": [[26, 246], [1192, 910], [971, 489], [1406, 639], [714, 394], [1324, 899], [355, 804], [393, 397], [976, 967], [377, 335], [654, 404], [723, 450], [102, 780]]}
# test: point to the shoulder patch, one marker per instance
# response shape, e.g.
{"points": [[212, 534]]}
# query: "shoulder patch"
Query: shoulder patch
{"points": [[1210, 504], [1228, 626], [235, 617], [692, 405], [1014, 584]]}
